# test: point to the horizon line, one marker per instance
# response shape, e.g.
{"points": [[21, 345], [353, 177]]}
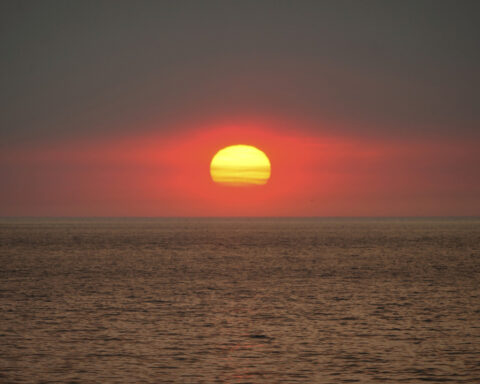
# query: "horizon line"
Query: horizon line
{"points": [[247, 217]]}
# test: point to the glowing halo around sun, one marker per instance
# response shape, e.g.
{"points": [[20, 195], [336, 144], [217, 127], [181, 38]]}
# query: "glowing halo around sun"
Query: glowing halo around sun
{"points": [[239, 166]]}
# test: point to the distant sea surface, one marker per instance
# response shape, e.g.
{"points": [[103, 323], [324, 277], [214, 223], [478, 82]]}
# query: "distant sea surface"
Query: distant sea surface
{"points": [[239, 300]]}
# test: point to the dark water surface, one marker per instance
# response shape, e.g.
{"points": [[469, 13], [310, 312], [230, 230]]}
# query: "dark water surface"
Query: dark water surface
{"points": [[238, 301]]}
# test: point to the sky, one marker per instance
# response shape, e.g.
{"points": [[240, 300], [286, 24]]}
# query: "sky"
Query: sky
{"points": [[116, 108]]}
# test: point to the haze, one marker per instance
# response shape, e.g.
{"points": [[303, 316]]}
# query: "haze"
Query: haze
{"points": [[368, 108]]}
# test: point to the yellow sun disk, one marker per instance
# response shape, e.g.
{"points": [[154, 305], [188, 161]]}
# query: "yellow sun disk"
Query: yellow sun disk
{"points": [[240, 165]]}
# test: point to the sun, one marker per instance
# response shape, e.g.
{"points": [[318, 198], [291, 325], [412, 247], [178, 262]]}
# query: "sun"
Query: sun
{"points": [[240, 165]]}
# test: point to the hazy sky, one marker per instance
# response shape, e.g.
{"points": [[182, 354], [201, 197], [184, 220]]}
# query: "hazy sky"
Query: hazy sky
{"points": [[365, 70]]}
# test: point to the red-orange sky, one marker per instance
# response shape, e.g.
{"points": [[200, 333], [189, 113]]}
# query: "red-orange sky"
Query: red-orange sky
{"points": [[312, 175], [116, 108]]}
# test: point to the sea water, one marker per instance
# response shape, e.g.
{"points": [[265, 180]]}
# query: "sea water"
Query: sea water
{"points": [[239, 300]]}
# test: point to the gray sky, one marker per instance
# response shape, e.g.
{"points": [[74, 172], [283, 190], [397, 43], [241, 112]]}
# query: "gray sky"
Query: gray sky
{"points": [[76, 68]]}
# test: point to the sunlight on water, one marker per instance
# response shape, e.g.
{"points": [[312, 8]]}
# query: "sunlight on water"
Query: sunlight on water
{"points": [[236, 301]]}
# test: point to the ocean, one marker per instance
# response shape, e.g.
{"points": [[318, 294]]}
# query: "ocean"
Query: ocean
{"points": [[239, 300]]}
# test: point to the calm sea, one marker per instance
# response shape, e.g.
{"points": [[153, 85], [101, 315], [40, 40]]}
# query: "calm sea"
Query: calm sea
{"points": [[239, 301]]}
